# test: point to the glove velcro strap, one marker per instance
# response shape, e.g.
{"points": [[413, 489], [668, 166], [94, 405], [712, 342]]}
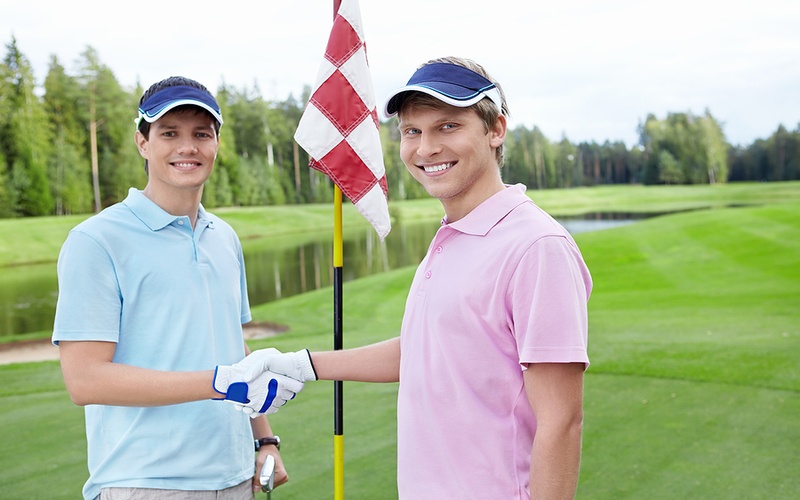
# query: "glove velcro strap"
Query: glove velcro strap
{"points": [[237, 391]]}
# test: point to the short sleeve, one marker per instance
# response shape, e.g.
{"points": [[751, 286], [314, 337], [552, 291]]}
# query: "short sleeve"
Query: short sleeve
{"points": [[89, 299], [549, 294]]}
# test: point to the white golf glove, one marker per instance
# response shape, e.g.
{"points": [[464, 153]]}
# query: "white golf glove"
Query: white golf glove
{"points": [[261, 393], [296, 365], [268, 392]]}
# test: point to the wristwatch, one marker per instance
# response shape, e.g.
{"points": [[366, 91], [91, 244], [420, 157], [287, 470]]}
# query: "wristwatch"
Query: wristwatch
{"points": [[268, 440]]}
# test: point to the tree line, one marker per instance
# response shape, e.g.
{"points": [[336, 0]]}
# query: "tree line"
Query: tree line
{"points": [[66, 147]]}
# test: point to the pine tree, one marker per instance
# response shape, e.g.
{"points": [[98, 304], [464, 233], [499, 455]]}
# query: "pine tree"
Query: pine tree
{"points": [[26, 138], [69, 167]]}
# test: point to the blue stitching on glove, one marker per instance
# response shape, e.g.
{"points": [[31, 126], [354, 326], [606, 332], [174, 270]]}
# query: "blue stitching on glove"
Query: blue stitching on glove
{"points": [[273, 391]]}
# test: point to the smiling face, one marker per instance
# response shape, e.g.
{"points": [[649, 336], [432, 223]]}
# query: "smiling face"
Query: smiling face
{"points": [[451, 153], [180, 151]]}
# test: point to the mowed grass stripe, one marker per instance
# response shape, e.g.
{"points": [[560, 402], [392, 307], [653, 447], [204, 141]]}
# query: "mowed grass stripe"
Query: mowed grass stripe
{"points": [[700, 298], [664, 439]]}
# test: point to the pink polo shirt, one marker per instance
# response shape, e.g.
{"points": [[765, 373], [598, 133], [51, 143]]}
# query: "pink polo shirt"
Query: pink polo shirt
{"points": [[503, 286]]}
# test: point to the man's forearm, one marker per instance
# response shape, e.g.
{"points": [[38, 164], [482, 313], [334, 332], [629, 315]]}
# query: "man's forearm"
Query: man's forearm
{"points": [[92, 377], [555, 464], [378, 362], [555, 391]]}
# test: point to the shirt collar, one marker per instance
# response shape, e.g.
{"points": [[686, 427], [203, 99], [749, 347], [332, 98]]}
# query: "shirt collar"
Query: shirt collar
{"points": [[486, 215], [153, 216]]}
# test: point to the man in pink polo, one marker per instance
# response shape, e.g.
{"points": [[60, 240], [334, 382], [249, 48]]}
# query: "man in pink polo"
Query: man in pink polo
{"points": [[493, 345]]}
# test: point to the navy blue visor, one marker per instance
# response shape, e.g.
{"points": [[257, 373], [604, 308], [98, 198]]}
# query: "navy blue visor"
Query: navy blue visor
{"points": [[450, 83], [158, 104]]}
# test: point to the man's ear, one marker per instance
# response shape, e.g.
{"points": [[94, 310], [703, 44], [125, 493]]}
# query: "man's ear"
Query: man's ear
{"points": [[498, 131], [141, 144]]}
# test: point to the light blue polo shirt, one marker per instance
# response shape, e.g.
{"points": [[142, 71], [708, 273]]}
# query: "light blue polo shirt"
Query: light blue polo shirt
{"points": [[173, 299]]}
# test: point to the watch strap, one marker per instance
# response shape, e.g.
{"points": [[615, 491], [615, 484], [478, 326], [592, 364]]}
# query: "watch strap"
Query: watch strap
{"points": [[273, 440]]}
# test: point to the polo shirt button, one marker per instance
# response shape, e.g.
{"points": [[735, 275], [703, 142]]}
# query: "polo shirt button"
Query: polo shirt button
{"points": [[439, 249], [180, 222], [427, 274]]}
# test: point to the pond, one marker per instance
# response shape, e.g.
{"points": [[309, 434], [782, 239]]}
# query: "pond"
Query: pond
{"points": [[276, 268]]}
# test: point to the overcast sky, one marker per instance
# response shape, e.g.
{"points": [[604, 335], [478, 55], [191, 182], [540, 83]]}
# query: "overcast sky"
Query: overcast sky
{"points": [[590, 70]]}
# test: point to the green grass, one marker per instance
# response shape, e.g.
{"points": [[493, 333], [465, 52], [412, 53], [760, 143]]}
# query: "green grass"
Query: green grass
{"points": [[694, 341], [43, 236], [693, 390]]}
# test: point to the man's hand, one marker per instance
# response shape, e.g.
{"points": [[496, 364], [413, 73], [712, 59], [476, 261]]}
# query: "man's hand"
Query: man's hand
{"points": [[261, 392], [267, 393], [296, 365]]}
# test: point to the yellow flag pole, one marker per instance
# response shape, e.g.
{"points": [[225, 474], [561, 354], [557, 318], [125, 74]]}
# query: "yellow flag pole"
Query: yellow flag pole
{"points": [[338, 386], [338, 389]]}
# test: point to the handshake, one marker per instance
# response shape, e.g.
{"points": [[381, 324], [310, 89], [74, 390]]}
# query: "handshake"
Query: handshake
{"points": [[264, 381]]}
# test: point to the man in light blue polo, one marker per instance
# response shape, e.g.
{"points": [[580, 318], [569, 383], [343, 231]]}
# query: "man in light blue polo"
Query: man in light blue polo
{"points": [[152, 298]]}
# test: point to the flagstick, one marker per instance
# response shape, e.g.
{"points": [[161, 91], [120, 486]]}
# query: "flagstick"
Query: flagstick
{"points": [[338, 386]]}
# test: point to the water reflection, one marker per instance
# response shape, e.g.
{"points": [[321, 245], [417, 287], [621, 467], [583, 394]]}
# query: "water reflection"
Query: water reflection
{"points": [[28, 296], [273, 273], [276, 268]]}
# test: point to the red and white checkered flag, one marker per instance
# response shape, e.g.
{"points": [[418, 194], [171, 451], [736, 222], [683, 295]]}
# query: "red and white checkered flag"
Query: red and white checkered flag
{"points": [[339, 128]]}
